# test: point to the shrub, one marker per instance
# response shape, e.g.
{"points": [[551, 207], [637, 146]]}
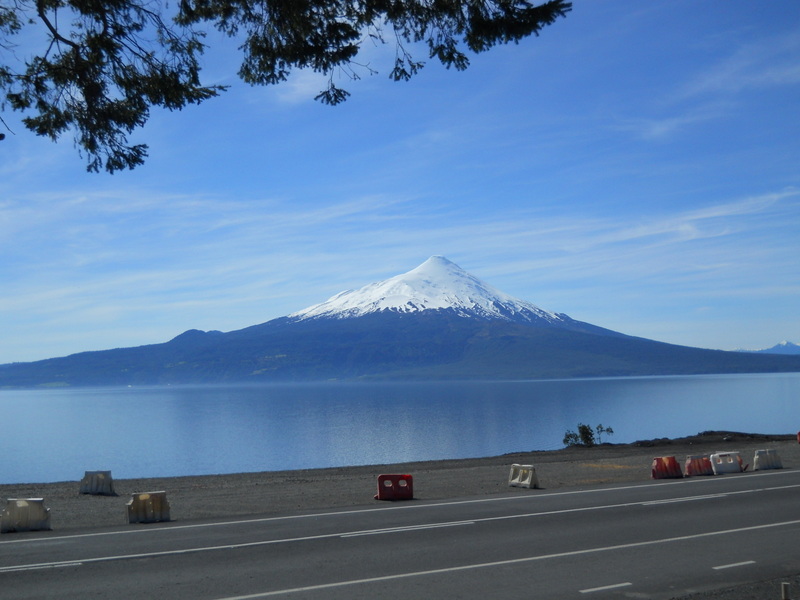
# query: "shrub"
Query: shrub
{"points": [[586, 435]]}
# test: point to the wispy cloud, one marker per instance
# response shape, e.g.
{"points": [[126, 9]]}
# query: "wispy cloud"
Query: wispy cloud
{"points": [[661, 127], [213, 263], [627, 190], [712, 91], [768, 62]]}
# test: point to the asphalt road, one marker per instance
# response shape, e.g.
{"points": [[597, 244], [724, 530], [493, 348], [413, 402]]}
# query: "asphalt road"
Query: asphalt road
{"points": [[656, 540]]}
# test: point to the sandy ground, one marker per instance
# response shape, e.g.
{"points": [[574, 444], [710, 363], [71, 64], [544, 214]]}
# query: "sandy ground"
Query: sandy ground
{"points": [[270, 493]]}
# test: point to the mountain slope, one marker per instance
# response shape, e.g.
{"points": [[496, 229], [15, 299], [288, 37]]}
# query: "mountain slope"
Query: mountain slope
{"points": [[436, 321], [439, 285], [782, 348], [436, 284]]}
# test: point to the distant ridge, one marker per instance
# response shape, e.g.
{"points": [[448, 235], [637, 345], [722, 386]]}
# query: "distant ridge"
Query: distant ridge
{"points": [[434, 322], [786, 348]]}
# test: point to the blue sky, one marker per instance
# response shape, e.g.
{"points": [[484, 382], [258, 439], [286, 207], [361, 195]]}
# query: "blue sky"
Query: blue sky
{"points": [[637, 166]]}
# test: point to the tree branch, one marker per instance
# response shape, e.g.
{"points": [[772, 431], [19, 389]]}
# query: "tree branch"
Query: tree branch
{"points": [[53, 31]]}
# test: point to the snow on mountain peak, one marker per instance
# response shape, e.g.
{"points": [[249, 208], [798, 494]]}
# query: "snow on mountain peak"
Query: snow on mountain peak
{"points": [[435, 284], [784, 347]]}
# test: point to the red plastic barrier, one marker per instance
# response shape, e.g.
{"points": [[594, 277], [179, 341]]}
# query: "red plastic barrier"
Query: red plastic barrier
{"points": [[666, 467], [395, 487], [698, 465]]}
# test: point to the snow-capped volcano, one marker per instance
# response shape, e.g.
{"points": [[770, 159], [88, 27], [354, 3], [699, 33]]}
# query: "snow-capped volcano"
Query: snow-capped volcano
{"points": [[434, 322], [437, 284]]}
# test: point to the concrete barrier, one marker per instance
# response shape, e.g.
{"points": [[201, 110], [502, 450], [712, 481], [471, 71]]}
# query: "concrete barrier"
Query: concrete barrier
{"points": [[97, 483], [28, 514], [148, 507], [726, 462], [698, 465], [523, 476], [767, 459]]}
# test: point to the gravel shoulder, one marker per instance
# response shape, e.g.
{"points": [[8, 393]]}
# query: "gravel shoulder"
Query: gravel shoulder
{"points": [[278, 492]]}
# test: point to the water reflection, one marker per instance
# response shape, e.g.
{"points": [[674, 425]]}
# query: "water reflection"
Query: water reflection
{"points": [[167, 431]]}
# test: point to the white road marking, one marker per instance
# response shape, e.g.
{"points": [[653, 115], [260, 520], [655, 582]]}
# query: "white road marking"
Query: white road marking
{"points": [[42, 566], [690, 498], [514, 561], [169, 527], [408, 528], [163, 553], [733, 565], [606, 587], [340, 534], [325, 536]]}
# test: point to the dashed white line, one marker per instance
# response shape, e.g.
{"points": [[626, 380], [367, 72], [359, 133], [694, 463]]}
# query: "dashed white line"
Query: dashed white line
{"points": [[606, 587], [733, 565], [407, 528], [688, 499], [499, 563], [42, 566]]}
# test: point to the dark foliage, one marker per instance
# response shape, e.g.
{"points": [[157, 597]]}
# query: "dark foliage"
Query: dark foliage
{"points": [[586, 435], [101, 66]]}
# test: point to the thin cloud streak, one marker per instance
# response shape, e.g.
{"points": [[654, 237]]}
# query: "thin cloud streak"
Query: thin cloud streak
{"points": [[250, 267], [770, 62], [652, 191]]}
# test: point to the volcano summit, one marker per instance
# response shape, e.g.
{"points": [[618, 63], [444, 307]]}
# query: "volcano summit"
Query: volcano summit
{"points": [[437, 284]]}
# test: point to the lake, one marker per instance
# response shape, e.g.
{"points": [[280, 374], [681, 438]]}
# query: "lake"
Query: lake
{"points": [[56, 435]]}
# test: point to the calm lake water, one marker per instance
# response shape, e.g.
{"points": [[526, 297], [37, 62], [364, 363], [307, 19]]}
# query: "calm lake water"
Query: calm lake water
{"points": [[56, 435]]}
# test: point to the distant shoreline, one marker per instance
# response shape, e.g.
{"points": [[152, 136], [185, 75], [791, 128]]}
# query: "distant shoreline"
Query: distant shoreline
{"points": [[701, 438]]}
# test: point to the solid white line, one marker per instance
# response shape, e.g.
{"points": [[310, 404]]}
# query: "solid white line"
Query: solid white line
{"points": [[336, 535], [606, 587], [166, 527], [731, 566], [163, 553], [514, 561], [308, 538]]}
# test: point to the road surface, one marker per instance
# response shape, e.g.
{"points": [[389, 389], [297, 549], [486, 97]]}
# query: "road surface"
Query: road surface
{"points": [[654, 540]]}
